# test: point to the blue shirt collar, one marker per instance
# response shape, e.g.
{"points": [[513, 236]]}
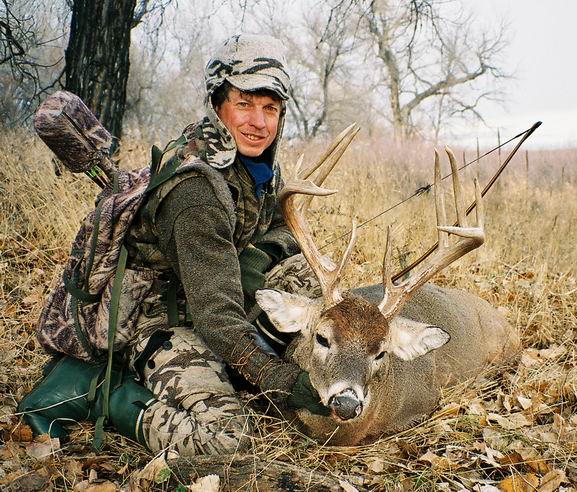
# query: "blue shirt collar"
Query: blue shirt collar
{"points": [[260, 171]]}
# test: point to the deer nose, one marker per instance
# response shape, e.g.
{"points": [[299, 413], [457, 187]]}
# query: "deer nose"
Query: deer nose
{"points": [[346, 405]]}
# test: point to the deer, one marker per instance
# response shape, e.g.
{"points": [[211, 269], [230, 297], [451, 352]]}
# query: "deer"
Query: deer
{"points": [[379, 355]]}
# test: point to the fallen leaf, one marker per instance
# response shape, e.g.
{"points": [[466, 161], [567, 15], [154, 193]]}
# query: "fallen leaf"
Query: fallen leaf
{"points": [[73, 470], [81, 486], [530, 357], [477, 407], [494, 439], [507, 403], [210, 483], [511, 422], [519, 483], [534, 460], [29, 482], [42, 450], [408, 449], [21, 433], [32, 299], [109, 467], [156, 471], [100, 486], [524, 403], [538, 466], [552, 480], [376, 465], [346, 486], [11, 450], [548, 437], [163, 475], [437, 462], [511, 459], [493, 456], [552, 352], [105, 486]]}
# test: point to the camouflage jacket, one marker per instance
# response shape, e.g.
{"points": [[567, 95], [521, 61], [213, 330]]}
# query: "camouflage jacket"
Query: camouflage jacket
{"points": [[195, 225], [256, 221]]}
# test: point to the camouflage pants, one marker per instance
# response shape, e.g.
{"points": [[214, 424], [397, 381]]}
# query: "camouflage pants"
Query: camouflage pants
{"points": [[294, 275], [197, 411]]}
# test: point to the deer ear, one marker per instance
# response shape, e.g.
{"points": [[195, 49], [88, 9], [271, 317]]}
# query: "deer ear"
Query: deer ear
{"points": [[289, 313], [410, 339]]}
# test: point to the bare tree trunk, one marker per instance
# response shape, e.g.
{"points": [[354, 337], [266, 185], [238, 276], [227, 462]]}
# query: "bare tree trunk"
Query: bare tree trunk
{"points": [[97, 57]]}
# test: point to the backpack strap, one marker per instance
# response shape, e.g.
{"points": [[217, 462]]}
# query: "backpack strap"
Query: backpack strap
{"points": [[112, 320], [158, 175], [171, 300]]}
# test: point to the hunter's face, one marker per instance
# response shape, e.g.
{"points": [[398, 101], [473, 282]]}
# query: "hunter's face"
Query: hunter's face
{"points": [[251, 120]]}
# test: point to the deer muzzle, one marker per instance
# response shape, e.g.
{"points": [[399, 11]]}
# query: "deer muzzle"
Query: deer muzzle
{"points": [[346, 405]]}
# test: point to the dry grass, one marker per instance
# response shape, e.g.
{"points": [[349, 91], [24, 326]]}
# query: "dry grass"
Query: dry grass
{"points": [[522, 423]]}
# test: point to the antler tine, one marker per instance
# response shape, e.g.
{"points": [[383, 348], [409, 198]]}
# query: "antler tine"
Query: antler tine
{"points": [[480, 207], [457, 190], [387, 273], [347, 253], [470, 238], [299, 164], [327, 272], [443, 237], [307, 172], [329, 160]]}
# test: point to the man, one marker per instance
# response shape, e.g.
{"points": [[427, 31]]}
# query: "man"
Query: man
{"points": [[213, 223]]}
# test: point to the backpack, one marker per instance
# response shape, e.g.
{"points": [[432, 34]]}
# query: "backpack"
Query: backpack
{"points": [[92, 309]]}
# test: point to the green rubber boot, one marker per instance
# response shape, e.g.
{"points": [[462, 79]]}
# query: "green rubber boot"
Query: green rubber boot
{"points": [[72, 391], [128, 401]]}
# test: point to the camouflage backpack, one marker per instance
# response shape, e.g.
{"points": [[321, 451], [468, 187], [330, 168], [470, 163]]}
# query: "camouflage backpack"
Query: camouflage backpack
{"points": [[86, 315]]}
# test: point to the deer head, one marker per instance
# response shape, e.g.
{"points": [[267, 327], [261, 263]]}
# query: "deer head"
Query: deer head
{"points": [[343, 341]]}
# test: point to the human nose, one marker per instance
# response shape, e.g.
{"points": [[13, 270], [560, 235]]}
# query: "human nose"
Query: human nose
{"points": [[257, 118]]}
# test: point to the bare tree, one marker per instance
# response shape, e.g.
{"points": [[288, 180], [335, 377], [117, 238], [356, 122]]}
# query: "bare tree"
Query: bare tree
{"points": [[313, 95], [166, 85], [319, 45], [30, 61], [431, 66]]}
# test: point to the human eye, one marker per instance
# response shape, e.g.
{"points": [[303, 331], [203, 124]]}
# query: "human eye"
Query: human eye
{"points": [[271, 108]]}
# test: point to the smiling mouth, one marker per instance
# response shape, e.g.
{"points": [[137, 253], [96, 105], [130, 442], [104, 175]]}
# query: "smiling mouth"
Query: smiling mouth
{"points": [[253, 138]]}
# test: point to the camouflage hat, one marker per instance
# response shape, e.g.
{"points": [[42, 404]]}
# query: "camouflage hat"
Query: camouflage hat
{"points": [[249, 62]]}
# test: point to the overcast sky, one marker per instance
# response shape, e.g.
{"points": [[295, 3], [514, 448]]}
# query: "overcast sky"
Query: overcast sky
{"points": [[543, 57]]}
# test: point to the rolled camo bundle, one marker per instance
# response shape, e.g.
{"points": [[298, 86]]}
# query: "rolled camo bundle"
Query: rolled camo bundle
{"points": [[75, 135]]}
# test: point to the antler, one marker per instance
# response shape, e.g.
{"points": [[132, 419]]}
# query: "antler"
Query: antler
{"points": [[328, 274], [470, 238]]}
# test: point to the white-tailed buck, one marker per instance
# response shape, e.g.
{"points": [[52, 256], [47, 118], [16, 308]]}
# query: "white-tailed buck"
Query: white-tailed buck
{"points": [[378, 355]]}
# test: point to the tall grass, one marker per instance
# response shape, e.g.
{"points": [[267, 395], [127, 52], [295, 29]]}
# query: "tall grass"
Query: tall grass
{"points": [[527, 268]]}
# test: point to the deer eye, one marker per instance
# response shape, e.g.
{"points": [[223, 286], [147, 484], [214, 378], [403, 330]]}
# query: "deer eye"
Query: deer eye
{"points": [[380, 356], [322, 341]]}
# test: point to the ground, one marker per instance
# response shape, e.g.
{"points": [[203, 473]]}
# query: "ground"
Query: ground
{"points": [[508, 430]]}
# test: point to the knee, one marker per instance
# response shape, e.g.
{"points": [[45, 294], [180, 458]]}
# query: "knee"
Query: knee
{"points": [[218, 429], [225, 432], [236, 437]]}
